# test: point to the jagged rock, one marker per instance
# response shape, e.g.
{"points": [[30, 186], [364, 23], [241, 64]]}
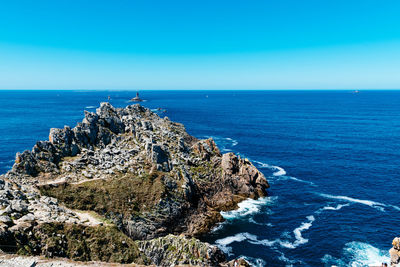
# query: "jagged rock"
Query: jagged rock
{"points": [[395, 252], [25, 163], [230, 163], [177, 250], [142, 173], [5, 219], [18, 206], [110, 118], [160, 157]]}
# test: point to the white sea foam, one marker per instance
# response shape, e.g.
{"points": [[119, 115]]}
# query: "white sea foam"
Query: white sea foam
{"points": [[304, 226], [299, 239], [224, 243], [248, 207], [299, 180], [234, 142], [288, 262], [338, 207], [224, 143], [395, 207], [357, 254], [90, 107], [235, 238], [218, 227], [377, 205], [256, 262], [251, 220], [251, 206], [278, 171]]}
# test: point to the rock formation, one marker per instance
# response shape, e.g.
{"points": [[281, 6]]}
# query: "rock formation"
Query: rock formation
{"points": [[124, 186], [395, 252]]}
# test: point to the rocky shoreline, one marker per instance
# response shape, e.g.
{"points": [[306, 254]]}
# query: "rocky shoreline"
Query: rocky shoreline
{"points": [[123, 186]]}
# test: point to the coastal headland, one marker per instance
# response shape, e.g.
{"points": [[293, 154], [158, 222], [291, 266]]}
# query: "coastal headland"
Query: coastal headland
{"points": [[124, 186]]}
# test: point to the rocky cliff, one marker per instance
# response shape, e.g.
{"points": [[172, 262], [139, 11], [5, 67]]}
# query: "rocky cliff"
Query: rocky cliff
{"points": [[120, 187]]}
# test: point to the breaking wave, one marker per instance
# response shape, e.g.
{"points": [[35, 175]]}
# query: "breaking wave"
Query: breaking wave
{"points": [[358, 254], [277, 171], [234, 142], [253, 239], [296, 179], [256, 262], [224, 242], [377, 205], [280, 172], [90, 107], [338, 207], [251, 220], [304, 226], [248, 207]]}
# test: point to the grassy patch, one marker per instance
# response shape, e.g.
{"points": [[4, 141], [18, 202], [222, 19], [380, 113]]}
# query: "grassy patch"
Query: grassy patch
{"points": [[83, 243], [125, 194], [205, 172]]}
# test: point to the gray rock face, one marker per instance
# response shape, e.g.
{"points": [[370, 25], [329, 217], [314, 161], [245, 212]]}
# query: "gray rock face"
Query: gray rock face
{"points": [[176, 184], [25, 163], [172, 250], [160, 157], [230, 163]]}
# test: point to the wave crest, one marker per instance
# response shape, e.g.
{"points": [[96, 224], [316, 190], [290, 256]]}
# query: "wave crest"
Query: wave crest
{"points": [[357, 254], [377, 205], [248, 207]]}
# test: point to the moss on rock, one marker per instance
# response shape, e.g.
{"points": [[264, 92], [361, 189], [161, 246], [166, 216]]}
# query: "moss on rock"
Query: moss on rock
{"points": [[124, 195], [78, 242]]}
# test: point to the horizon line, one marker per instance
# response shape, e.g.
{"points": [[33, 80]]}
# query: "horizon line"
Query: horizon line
{"points": [[132, 89]]}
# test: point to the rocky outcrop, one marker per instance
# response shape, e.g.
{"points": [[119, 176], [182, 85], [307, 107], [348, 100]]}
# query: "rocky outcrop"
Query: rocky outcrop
{"points": [[177, 250], [395, 252], [142, 173]]}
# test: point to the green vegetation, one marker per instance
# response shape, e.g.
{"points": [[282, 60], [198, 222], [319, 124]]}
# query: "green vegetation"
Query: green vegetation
{"points": [[178, 248], [205, 172], [79, 242], [125, 194]]}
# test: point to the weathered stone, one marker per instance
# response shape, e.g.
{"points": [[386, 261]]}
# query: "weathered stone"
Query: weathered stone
{"points": [[161, 180], [230, 163], [178, 250], [27, 217], [5, 219], [25, 163]]}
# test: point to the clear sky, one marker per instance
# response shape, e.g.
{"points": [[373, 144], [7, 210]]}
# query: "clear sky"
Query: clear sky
{"points": [[188, 44]]}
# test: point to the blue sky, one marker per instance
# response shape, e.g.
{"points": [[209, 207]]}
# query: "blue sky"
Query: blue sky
{"points": [[298, 44]]}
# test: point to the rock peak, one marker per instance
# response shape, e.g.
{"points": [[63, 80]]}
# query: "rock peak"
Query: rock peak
{"points": [[142, 173]]}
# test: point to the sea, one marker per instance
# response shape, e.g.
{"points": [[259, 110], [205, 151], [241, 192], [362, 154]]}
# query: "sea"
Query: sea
{"points": [[332, 159]]}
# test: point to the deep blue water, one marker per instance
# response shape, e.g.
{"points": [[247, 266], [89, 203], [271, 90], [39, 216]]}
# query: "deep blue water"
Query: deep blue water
{"points": [[332, 159]]}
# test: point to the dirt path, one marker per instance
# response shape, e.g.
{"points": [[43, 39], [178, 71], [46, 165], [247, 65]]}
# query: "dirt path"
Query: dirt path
{"points": [[89, 218], [63, 181]]}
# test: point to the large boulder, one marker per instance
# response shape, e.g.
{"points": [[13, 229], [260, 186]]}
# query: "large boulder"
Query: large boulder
{"points": [[395, 252]]}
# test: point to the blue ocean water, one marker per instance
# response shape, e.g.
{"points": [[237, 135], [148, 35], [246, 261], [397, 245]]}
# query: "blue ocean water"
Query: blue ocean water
{"points": [[332, 159]]}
